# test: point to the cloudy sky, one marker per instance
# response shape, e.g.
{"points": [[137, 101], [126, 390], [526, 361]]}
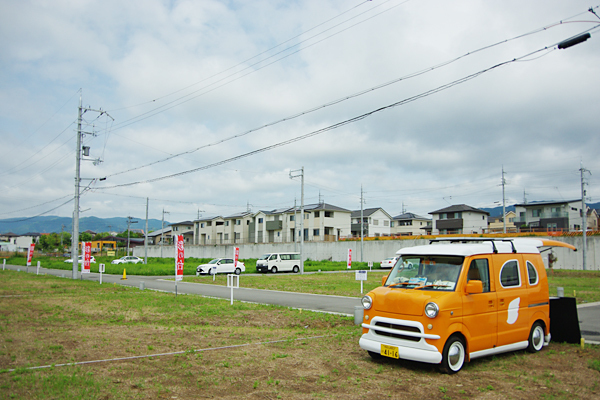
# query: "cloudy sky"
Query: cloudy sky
{"points": [[421, 103]]}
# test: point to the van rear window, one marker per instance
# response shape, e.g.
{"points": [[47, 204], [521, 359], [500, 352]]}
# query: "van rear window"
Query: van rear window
{"points": [[509, 275]]}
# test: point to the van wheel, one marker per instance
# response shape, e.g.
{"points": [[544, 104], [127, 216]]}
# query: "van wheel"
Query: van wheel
{"points": [[238, 271], [453, 357], [536, 338], [296, 269], [274, 270]]}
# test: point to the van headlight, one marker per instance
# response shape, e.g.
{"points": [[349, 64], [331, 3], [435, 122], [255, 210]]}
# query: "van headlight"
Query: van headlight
{"points": [[431, 310], [367, 302]]}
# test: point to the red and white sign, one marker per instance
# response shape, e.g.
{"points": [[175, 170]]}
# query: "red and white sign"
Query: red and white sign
{"points": [[30, 253], [179, 257], [349, 258], [87, 253], [236, 254]]}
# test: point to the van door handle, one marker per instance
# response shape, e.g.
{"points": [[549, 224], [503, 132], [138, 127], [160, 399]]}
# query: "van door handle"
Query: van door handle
{"points": [[491, 303], [501, 302]]}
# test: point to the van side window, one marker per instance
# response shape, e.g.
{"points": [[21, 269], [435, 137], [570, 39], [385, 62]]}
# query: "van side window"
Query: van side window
{"points": [[284, 257], [294, 256], [509, 274], [273, 257], [532, 274], [480, 271]]}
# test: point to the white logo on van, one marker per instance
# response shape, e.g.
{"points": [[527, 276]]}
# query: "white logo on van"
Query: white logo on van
{"points": [[513, 311]]}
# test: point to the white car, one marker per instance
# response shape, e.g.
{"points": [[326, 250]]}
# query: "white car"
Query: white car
{"points": [[80, 260], [128, 260], [220, 266], [389, 262]]}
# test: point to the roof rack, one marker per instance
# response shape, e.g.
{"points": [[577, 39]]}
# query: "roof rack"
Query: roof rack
{"points": [[471, 239]]}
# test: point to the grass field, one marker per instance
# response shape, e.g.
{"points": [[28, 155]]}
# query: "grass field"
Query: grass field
{"points": [[240, 351]]}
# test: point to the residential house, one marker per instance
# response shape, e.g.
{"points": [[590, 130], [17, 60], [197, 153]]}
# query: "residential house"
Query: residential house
{"points": [[164, 235], [322, 222], [23, 241], [496, 224], [409, 224], [458, 219], [376, 222], [185, 228], [563, 215]]}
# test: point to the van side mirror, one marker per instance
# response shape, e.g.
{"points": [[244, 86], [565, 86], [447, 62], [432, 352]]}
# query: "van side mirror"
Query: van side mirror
{"points": [[474, 287], [384, 279]]}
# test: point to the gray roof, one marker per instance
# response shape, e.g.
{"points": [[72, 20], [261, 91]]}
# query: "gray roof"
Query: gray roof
{"points": [[548, 202], [459, 208], [160, 231], [409, 216], [239, 215], [366, 212], [187, 223]]}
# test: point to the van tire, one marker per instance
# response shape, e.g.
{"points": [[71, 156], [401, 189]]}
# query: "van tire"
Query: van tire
{"points": [[536, 338], [296, 269], [274, 269], [454, 355]]}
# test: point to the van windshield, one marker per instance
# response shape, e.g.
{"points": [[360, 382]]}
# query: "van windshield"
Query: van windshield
{"points": [[425, 272], [264, 256]]}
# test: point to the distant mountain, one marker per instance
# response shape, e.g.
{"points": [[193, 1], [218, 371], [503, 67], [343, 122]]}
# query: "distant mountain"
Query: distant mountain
{"points": [[49, 224]]}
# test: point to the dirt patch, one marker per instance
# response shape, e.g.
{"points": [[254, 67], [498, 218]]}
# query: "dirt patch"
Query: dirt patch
{"points": [[244, 351]]}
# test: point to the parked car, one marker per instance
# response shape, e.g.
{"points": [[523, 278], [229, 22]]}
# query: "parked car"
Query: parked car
{"points": [[80, 260], [275, 262], [389, 262], [128, 260], [223, 266]]}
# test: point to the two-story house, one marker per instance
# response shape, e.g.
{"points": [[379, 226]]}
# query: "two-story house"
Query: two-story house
{"points": [[185, 228], [322, 222], [458, 219], [563, 215], [409, 224], [376, 222]]}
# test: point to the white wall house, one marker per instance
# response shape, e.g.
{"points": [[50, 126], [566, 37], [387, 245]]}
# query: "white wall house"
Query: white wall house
{"points": [[458, 219], [185, 228], [409, 224], [551, 215], [376, 222]]}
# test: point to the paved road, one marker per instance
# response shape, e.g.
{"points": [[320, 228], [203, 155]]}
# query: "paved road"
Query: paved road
{"points": [[589, 314]]}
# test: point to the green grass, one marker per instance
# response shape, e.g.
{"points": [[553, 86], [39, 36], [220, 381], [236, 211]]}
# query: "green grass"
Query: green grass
{"points": [[166, 266], [584, 285]]}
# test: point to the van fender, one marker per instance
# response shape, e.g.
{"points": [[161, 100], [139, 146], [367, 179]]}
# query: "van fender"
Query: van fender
{"points": [[543, 318], [460, 329]]}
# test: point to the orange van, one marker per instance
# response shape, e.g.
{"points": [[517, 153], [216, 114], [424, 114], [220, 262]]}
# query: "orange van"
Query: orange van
{"points": [[460, 300]]}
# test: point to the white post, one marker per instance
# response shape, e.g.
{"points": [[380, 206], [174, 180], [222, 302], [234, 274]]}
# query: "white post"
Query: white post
{"points": [[101, 270], [4, 264], [233, 281], [38, 269]]}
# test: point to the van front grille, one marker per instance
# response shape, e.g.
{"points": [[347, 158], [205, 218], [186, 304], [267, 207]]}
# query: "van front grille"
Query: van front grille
{"points": [[399, 329]]}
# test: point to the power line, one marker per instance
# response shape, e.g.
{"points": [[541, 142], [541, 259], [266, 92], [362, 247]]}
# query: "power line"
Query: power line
{"points": [[337, 125], [340, 100]]}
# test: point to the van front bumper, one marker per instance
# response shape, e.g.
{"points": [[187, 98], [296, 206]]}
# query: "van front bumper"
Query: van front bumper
{"points": [[391, 332]]}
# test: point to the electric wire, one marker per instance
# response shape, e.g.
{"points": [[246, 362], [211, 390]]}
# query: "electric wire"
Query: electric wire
{"points": [[246, 60], [337, 125], [340, 100]]}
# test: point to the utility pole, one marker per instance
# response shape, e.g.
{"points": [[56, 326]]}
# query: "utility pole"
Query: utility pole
{"points": [[129, 222], [583, 215], [300, 172], [362, 232], [78, 157], [162, 231], [503, 201], [146, 234], [295, 227]]}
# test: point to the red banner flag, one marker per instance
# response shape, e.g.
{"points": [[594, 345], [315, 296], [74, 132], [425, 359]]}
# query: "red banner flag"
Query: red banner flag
{"points": [[87, 253], [30, 253], [236, 254], [349, 258], [179, 257]]}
